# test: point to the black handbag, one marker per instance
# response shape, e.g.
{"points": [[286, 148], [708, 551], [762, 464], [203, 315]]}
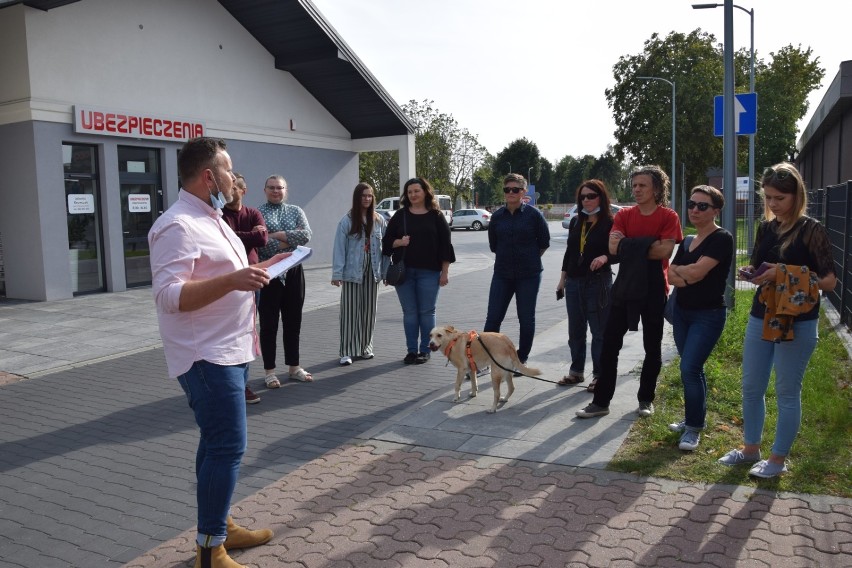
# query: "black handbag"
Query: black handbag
{"points": [[396, 271]]}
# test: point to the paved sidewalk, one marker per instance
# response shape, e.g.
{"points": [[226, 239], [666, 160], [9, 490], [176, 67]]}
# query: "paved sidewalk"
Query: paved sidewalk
{"points": [[370, 465]]}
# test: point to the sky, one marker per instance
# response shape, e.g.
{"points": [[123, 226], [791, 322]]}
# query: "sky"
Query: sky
{"points": [[507, 69]]}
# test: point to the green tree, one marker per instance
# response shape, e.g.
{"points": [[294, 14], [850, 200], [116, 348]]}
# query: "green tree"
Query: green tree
{"points": [[487, 187], [694, 62], [563, 191], [381, 170], [466, 159], [642, 109], [613, 172], [519, 155], [544, 185], [783, 89], [445, 154]]}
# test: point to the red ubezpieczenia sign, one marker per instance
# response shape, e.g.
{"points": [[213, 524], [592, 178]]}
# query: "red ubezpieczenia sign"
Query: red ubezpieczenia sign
{"points": [[88, 120]]}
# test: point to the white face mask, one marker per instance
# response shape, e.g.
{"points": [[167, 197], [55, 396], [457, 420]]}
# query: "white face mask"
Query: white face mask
{"points": [[217, 201], [593, 211]]}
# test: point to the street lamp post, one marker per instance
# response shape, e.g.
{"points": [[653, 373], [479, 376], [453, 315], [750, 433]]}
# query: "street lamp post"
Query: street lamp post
{"points": [[529, 175], [674, 136], [751, 181]]}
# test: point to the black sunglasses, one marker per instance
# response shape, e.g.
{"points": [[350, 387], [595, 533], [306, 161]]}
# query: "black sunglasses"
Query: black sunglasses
{"points": [[588, 196], [702, 206], [512, 189], [779, 174]]}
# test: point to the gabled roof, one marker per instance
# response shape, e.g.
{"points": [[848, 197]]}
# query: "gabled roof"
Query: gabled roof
{"points": [[306, 46]]}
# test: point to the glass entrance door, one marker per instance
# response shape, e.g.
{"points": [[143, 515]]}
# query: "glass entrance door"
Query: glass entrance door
{"points": [[85, 242], [141, 204]]}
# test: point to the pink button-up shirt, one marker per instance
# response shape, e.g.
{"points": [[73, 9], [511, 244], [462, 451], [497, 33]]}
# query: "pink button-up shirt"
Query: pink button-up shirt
{"points": [[188, 242]]}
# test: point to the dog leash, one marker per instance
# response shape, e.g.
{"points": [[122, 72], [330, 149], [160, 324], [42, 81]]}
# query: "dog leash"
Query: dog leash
{"points": [[509, 370]]}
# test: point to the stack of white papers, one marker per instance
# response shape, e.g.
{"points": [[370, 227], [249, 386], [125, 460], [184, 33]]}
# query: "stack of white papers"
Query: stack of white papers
{"points": [[299, 255]]}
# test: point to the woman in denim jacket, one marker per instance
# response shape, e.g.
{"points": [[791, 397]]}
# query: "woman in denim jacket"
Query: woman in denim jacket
{"points": [[358, 265]]}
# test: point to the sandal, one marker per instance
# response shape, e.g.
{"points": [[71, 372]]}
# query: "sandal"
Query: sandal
{"points": [[571, 379], [272, 382], [301, 375], [591, 387]]}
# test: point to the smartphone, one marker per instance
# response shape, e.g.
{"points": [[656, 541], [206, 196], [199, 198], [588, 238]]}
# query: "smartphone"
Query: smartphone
{"points": [[560, 294], [764, 266]]}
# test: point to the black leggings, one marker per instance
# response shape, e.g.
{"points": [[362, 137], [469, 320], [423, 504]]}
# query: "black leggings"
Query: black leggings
{"points": [[284, 300]]}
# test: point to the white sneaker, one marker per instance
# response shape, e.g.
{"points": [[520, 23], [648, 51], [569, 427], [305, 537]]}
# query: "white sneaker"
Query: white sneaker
{"points": [[645, 409], [346, 360], [678, 427], [689, 440]]}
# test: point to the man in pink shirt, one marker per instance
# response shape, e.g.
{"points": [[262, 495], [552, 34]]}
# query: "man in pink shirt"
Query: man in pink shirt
{"points": [[203, 287]]}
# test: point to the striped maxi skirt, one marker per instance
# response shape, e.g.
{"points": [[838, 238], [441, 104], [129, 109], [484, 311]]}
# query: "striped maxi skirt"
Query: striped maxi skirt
{"points": [[358, 314]]}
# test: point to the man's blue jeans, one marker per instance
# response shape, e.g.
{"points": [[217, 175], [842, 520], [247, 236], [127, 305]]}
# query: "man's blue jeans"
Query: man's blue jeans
{"points": [[587, 302], [216, 394], [525, 291], [696, 333], [418, 296], [790, 359]]}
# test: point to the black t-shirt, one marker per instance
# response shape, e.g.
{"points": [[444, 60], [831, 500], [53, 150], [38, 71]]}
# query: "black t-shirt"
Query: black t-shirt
{"points": [[709, 292], [430, 245], [809, 246]]}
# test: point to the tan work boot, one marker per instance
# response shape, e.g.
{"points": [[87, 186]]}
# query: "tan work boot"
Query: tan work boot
{"points": [[240, 537], [215, 557]]}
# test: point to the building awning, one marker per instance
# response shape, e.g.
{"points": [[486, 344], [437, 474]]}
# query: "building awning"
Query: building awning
{"points": [[306, 46]]}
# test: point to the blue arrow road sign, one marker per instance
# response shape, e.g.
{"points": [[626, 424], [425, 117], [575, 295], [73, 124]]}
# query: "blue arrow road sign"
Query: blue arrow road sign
{"points": [[745, 114]]}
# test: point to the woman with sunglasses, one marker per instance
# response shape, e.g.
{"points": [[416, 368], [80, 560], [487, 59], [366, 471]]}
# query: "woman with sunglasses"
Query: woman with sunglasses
{"points": [[786, 238], [699, 271], [518, 236], [586, 279]]}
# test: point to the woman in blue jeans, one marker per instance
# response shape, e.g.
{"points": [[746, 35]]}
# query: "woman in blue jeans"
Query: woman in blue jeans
{"points": [[699, 272], [787, 238], [419, 231], [586, 278]]}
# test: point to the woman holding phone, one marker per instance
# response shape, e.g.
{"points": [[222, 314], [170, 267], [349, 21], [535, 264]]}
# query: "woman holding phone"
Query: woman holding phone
{"points": [[789, 242]]}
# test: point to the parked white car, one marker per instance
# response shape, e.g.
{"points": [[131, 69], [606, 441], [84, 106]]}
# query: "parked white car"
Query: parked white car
{"points": [[476, 219], [390, 205], [572, 212]]}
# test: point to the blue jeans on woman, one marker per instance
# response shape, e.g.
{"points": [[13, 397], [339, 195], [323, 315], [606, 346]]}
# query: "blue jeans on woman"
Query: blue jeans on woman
{"points": [[790, 359], [587, 302], [525, 291], [696, 333], [216, 394], [418, 296]]}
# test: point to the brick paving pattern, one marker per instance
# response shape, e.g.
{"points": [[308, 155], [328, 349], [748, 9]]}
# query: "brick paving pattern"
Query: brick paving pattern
{"points": [[392, 505]]}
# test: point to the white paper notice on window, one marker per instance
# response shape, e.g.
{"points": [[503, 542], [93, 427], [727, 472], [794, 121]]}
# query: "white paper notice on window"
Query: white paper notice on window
{"points": [[299, 255]]}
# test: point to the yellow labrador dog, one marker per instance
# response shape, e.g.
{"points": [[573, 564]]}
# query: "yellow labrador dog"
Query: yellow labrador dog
{"points": [[460, 347]]}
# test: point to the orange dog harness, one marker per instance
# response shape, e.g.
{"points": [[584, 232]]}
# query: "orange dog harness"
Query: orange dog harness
{"points": [[471, 336]]}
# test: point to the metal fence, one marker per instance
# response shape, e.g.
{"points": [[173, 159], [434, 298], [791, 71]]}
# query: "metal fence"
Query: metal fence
{"points": [[833, 207]]}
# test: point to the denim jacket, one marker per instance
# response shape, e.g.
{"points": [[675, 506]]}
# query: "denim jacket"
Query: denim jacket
{"points": [[348, 256]]}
